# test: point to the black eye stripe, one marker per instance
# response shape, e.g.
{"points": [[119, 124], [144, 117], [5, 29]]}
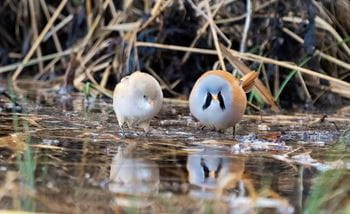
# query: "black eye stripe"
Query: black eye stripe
{"points": [[221, 100], [207, 101], [219, 168], [205, 168]]}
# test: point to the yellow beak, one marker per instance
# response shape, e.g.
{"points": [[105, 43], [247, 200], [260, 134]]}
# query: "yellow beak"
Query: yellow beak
{"points": [[212, 174], [151, 102]]}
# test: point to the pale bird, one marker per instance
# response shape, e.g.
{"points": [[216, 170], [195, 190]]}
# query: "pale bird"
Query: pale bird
{"points": [[136, 100], [218, 99], [133, 179]]}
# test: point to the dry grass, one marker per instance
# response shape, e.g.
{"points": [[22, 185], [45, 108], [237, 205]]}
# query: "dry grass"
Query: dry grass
{"points": [[172, 39]]}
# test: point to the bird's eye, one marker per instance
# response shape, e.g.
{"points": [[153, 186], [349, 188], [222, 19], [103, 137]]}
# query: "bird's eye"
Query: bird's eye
{"points": [[144, 97]]}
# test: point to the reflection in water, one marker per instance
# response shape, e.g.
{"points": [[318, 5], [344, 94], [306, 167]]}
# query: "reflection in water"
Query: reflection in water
{"points": [[135, 180], [27, 165], [212, 170], [220, 176]]}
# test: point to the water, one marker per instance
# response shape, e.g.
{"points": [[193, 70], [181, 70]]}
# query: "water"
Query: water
{"points": [[65, 154]]}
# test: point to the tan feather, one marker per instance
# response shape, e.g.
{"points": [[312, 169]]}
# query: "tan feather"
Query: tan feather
{"points": [[259, 85], [248, 80]]}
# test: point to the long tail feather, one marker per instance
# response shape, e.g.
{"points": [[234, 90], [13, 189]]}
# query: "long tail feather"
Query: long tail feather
{"points": [[259, 85], [248, 80]]}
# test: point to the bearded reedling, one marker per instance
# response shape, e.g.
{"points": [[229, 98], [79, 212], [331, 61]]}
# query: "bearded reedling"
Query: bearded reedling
{"points": [[218, 99], [136, 100]]}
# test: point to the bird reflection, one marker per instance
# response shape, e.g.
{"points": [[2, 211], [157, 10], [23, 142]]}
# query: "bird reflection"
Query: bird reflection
{"points": [[133, 179], [210, 168]]}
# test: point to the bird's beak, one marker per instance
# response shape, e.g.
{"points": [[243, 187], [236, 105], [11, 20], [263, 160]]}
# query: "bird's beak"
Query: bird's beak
{"points": [[151, 102], [212, 174]]}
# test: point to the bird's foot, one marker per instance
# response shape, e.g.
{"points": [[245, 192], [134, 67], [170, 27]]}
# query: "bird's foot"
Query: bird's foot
{"points": [[123, 132], [234, 132], [146, 127], [122, 129]]}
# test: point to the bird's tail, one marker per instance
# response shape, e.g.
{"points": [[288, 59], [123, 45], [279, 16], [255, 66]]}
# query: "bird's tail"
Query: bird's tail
{"points": [[247, 81]]}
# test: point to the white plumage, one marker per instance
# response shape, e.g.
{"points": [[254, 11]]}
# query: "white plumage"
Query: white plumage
{"points": [[137, 99]]}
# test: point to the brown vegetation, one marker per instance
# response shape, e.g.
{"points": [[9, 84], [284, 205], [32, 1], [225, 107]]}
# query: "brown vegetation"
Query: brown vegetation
{"points": [[301, 48]]}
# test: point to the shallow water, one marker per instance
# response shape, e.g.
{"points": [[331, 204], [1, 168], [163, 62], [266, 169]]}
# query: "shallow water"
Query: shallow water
{"points": [[65, 154]]}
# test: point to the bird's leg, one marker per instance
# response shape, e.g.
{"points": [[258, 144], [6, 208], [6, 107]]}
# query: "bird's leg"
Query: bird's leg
{"points": [[123, 132], [121, 123], [146, 127], [234, 131], [129, 124]]}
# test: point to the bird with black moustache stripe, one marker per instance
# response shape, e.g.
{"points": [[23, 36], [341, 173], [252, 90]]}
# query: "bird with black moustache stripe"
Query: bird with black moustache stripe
{"points": [[218, 99]]}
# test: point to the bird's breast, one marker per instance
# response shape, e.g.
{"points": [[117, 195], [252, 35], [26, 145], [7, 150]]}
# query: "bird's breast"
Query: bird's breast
{"points": [[221, 113]]}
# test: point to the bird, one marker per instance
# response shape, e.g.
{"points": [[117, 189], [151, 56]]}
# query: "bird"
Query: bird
{"points": [[137, 98], [218, 99], [130, 174], [209, 167]]}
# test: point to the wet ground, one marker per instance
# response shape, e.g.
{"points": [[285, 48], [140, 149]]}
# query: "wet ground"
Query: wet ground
{"points": [[66, 154]]}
